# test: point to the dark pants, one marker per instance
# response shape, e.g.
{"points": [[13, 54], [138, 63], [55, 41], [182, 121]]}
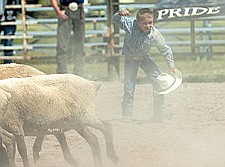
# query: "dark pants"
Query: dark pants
{"points": [[152, 71], [8, 30], [71, 45]]}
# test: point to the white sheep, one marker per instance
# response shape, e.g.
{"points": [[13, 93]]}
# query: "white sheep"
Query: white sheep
{"points": [[41, 104], [14, 70]]}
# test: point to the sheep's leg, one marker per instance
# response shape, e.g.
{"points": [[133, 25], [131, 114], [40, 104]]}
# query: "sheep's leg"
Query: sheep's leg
{"points": [[22, 149], [106, 129], [66, 152], [37, 146], [4, 160], [11, 150], [93, 142], [9, 141]]}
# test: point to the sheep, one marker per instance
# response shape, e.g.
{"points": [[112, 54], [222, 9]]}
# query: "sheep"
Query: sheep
{"points": [[53, 104], [14, 70], [20, 70]]}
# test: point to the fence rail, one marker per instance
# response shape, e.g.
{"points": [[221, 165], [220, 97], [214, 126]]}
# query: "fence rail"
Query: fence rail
{"points": [[48, 27], [99, 21], [99, 31]]}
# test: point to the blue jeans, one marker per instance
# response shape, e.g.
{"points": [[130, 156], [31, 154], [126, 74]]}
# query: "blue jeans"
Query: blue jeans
{"points": [[71, 45], [8, 30], [152, 71]]}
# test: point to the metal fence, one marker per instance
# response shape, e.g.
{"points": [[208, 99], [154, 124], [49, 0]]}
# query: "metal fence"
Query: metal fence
{"points": [[194, 37], [40, 33]]}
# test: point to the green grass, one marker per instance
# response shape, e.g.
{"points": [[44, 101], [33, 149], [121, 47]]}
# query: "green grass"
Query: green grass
{"points": [[193, 70]]}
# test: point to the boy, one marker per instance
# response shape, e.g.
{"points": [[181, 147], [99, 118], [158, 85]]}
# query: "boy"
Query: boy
{"points": [[139, 38]]}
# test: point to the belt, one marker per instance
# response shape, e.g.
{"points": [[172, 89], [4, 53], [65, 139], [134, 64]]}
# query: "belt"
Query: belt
{"points": [[66, 6], [137, 58], [80, 6]]}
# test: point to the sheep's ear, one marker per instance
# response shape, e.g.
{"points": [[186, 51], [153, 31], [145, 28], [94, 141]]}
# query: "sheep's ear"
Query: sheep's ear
{"points": [[96, 85]]}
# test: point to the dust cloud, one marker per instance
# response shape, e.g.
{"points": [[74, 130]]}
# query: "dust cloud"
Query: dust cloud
{"points": [[192, 135]]}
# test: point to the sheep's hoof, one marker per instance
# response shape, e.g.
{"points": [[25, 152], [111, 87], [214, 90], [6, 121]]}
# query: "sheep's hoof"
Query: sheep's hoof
{"points": [[36, 157], [72, 162]]}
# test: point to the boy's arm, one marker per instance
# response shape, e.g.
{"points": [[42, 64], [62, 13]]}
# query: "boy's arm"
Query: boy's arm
{"points": [[121, 21], [164, 49]]}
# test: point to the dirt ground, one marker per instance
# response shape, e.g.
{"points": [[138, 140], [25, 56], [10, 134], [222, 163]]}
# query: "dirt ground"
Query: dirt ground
{"points": [[192, 136]]}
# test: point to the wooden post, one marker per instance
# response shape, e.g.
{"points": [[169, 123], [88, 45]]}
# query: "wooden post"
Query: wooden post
{"points": [[192, 36], [110, 29], [110, 38], [116, 29], [25, 36], [116, 40]]}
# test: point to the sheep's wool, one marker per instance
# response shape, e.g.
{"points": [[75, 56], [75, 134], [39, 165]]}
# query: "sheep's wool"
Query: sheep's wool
{"points": [[45, 99], [14, 70]]}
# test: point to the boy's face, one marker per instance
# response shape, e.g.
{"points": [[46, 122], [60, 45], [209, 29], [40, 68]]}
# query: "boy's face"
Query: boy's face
{"points": [[145, 23]]}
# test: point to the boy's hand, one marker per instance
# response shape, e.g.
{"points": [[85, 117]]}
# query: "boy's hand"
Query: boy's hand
{"points": [[173, 69], [124, 13]]}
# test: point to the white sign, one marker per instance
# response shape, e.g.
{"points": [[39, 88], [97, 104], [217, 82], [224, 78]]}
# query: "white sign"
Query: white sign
{"points": [[186, 12]]}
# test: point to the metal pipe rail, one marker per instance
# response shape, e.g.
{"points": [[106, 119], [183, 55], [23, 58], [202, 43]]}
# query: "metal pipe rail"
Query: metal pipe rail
{"points": [[30, 35], [105, 33]]}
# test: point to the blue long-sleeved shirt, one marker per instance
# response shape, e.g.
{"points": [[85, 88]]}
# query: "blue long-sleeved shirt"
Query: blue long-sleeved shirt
{"points": [[139, 43]]}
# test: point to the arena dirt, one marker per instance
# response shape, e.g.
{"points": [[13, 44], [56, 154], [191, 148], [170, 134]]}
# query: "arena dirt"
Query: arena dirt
{"points": [[193, 135]]}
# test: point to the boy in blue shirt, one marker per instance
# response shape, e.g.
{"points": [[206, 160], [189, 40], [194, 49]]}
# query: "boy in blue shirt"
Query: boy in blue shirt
{"points": [[140, 35]]}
